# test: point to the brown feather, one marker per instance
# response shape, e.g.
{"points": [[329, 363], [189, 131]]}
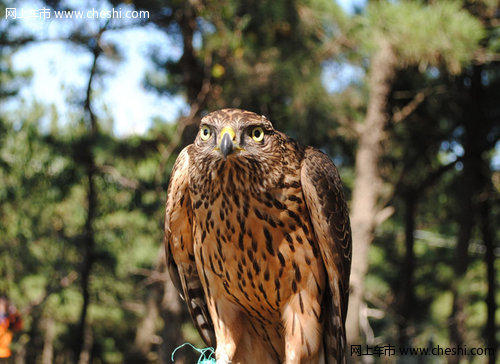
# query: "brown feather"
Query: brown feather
{"points": [[258, 243], [179, 249], [326, 203]]}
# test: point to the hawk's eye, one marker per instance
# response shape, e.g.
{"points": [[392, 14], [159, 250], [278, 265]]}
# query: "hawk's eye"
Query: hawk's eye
{"points": [[205, 132], [257, 134]]}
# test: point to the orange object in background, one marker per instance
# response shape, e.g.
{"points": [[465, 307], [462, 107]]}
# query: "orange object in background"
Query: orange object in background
{"points": [[10, 320]]}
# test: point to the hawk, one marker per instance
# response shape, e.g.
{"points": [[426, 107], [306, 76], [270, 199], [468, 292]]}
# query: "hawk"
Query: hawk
{"points": [[258, 243]]}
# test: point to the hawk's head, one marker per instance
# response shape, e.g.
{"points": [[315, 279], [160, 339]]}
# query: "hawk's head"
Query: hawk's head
{"points": [[232, 133]]}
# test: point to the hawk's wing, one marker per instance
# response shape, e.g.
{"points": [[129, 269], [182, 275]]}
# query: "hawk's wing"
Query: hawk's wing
{"points": [[327, 207], [179, 248]]}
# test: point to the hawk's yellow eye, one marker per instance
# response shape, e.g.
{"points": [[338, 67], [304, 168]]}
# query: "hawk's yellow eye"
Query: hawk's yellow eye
{"points": [[257, 134], [205, 132]]}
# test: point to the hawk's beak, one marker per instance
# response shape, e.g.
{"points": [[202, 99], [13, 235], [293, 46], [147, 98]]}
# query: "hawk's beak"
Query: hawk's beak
{"points": [[226, 141]]}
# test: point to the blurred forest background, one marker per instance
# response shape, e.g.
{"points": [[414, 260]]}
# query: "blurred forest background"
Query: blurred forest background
{"points": [[403, 95]]}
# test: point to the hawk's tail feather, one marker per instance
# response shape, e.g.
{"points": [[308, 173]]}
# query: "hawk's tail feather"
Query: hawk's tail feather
{"points": [[195, 299], [334, 339]]}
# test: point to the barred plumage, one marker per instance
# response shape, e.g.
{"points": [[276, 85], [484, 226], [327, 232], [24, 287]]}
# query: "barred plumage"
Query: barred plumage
{"points": [[258, 243]]}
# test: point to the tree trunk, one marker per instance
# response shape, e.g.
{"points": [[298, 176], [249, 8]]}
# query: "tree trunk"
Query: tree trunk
{"points": [[173, 313], [474, 144], [35, 343], [487, 235], [48, 341], [457, 317], [411, 194], [88, 230], [88, 341], [367, 184], [88, 261], [146, 330], [406, 289]]}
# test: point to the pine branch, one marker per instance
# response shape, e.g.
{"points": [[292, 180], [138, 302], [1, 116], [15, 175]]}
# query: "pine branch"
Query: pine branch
{"points": [[410, 107]]}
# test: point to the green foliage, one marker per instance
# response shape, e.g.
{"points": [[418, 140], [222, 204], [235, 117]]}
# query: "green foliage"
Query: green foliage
{"points": [[262, 56], [268, 57], [440, 33], [42, 225]]}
